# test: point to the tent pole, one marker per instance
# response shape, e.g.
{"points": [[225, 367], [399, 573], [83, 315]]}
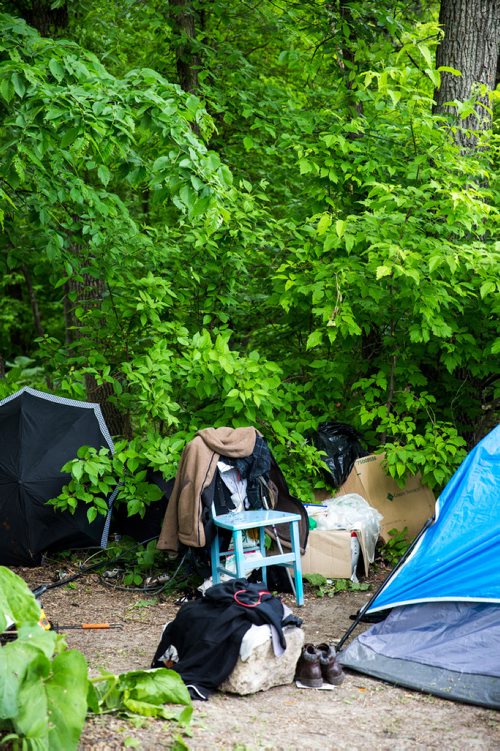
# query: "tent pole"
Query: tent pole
{"points": [[386, 581]]}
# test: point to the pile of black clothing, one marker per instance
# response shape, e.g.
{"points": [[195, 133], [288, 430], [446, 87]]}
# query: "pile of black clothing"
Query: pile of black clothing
{"points": [[207, 633]]}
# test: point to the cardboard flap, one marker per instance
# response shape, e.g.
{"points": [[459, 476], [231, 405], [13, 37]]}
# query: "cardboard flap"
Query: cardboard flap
{"points": [[410, 506]]}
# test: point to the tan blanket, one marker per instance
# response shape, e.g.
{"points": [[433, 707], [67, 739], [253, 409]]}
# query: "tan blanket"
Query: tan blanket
{"points": [[182, 521]]}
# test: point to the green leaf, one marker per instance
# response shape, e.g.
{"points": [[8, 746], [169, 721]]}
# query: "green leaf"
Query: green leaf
{"points": [[447, 69], [15, 658], [487, 288], [340, 226], [434, 262], [213, 160], [104, 174], [434, 76], [495, 347], [324, 223], [315, 580], [349, 241], [305, 166], [143, 708], [383, 271], [161, 163], [130, 742], [314, 338], [32, 718], [157, 686], [226, 175], [77, 470], [6, 89], [16, 600], [56, 69], [133, 463], [69, 136], [426, 54], [37, 637], [67, 688], [19, 84], [331, 241], [54, 113]]}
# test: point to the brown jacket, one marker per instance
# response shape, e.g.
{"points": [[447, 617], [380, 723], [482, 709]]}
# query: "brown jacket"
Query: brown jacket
{"points": [[182, 521]]}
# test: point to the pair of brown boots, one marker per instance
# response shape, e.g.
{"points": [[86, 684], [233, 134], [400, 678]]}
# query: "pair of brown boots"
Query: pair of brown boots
{"points": [[318, 665]]}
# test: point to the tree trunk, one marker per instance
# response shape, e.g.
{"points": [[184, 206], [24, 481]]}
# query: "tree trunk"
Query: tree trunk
{"points": [[183, 18], [470, 45], [88, 293], [341, 28], [37, 321], [346, 60], [46, 19]]}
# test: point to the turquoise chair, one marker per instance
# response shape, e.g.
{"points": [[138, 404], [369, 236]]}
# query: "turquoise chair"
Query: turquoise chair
{"points": [[237, 523]]}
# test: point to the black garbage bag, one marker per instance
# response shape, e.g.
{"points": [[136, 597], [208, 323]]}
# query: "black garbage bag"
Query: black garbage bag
{"points": [[342, 446]]}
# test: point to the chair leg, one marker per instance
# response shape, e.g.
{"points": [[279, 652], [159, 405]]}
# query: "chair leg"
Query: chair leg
{"points": [[215, 558], [297, 564], [239, 555], [262, 547]]}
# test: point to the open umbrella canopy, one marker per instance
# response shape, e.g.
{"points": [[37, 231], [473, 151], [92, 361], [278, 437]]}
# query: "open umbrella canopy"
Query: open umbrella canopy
{"points": [[39, 433]]}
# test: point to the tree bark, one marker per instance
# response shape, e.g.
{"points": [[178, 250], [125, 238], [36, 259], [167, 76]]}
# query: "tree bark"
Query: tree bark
{"points": [[37, 321], [183, 17], [88, 293], [40, 14], [340, 14], [470, 45]]}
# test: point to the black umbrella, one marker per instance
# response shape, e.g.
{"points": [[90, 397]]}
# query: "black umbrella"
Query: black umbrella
{"points": [[39, 433]]}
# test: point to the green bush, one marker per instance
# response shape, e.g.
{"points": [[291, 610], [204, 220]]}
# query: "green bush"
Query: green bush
{"points": [[45, 692]]}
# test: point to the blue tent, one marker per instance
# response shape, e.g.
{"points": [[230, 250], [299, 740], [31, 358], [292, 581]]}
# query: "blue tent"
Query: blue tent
{"points": [[442, 634]]}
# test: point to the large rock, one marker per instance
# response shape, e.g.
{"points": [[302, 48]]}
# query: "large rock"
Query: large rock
{"points": [[262, 669]]}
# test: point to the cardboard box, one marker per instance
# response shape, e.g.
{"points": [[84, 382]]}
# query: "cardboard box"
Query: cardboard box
{"points": [[322, 542], [328, 553], [410, 506]]}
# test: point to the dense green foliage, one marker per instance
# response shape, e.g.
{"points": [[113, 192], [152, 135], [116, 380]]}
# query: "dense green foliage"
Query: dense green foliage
{"points": [[45, 692], [300, 240]]}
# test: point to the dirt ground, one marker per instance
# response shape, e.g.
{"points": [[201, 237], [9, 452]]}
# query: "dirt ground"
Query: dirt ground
{"points": [[362, 713]]}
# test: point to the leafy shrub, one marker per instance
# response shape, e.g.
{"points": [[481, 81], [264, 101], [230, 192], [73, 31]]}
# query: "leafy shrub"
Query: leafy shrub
{"points": [[96, 473], [45, 691], [141, 692], [39, 677], [324, 587], [396, 546]]}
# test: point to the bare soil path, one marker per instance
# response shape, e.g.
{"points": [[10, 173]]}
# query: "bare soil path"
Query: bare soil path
{"points": [[362, 713]]}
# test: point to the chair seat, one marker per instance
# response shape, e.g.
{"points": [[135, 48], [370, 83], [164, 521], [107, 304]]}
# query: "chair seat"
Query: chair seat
{"points": [[258, 518], [238, 522]]}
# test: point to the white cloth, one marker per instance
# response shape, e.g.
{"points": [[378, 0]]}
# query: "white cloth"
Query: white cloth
{"points": [[257, 635], [236, 486]]}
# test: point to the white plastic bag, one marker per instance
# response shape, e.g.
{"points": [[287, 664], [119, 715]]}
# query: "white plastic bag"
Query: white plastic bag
{"points": [[350, 512]]}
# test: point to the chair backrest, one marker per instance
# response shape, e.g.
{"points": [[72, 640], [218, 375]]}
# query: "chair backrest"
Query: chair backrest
{"points": [[283, 501], [212, 495]]}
